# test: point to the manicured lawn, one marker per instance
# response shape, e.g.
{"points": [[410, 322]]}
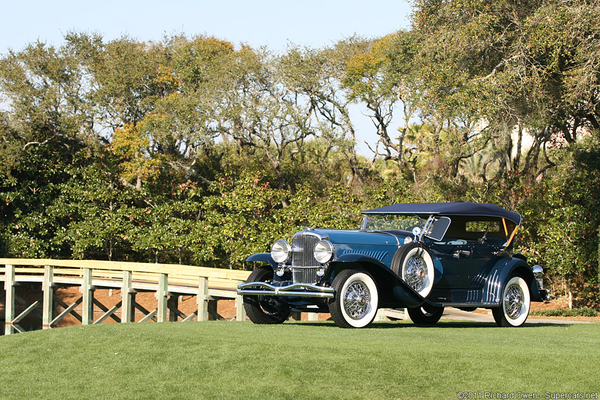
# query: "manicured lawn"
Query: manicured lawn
{"points": [[300, 360]]}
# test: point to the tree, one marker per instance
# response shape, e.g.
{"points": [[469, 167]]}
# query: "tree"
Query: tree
{"points": [[98, 210], [260, 113], [30, 195], [126, 80], [512, 65], [46, 93], [167, 229], [562, 223], [238, 220], [317, 76], [370, 83]]}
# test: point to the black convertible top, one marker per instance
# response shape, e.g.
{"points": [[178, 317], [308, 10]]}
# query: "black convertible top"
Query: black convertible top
{"points": [[466, 209]]}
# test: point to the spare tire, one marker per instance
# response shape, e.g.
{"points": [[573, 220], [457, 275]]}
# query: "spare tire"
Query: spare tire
{"points": [[413, 263]]}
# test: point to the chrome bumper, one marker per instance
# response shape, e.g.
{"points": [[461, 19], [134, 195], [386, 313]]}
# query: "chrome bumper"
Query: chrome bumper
{"points": [[294, 290]]}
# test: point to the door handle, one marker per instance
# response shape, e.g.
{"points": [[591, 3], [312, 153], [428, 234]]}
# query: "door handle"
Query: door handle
{"points": [[464, 253]]}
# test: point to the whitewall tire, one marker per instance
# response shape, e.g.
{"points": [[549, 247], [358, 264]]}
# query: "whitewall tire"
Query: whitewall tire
{"points": [[415, 266], [356, 299], [514, 305]]}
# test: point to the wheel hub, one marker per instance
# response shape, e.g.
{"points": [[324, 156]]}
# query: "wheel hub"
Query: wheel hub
{"points": [[513, 302], [357, 300], [415, 273]]}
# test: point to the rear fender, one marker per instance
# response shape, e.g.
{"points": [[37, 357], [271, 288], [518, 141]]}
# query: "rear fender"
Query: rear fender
{"points": [[499, 275]]}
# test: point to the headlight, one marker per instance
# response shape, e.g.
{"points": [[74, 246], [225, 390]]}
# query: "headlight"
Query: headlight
{"points": [[323, 251], [280, 251]]}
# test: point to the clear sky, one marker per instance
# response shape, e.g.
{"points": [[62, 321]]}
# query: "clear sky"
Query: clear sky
{"points": [[270, 23]]}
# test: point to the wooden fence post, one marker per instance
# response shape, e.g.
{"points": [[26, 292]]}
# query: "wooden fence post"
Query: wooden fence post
{"points": [[127, 293], [9, 301], [202, 299], [48, 297], [240, 311], [173, 308], [87, 292], [162, 297]]}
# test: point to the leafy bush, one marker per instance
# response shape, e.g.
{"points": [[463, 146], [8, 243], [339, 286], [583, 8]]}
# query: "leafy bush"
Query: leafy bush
{"points": [[563, 312]]}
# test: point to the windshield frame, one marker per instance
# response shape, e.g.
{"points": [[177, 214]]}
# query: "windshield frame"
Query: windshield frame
{"points": [[433, 227]]}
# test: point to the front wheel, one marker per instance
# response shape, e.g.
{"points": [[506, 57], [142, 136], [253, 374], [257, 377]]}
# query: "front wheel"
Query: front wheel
{"points": [[265, 309], [515, 303], [426, 314], [356, 299]]}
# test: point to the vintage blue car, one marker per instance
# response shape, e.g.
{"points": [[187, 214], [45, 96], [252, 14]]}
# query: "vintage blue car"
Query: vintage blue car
{"points": [[419, 256]]}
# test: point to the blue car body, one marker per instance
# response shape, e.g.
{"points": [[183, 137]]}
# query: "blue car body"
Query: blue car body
{"points": [[456, 255]]}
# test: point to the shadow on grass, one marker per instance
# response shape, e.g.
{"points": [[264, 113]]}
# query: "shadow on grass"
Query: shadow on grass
{"points": [[408, 324]]}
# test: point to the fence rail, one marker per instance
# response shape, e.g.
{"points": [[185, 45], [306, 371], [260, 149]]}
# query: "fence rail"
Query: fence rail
{"points": [[167, 281]]}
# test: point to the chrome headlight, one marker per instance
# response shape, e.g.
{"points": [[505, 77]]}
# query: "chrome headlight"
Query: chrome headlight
{"points": [[323, 251], [280, 251]]}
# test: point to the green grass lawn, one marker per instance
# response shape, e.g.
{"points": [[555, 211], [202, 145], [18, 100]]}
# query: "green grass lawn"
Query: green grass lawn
{"points": [[299, 360]]}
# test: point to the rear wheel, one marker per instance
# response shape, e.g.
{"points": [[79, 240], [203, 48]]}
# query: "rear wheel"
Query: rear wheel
{"points": [[515, 303], [356, 299], [265, 309], [426, 314]]}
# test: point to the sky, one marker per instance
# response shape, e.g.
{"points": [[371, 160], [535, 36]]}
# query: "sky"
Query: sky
{"points": [[272, 23]]}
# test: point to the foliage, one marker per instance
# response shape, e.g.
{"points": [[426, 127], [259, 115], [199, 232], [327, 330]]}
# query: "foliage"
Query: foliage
{"points": [[29, 225], [562, 228], [192, 150], [241, 217], [562, 312], [98, 209]]}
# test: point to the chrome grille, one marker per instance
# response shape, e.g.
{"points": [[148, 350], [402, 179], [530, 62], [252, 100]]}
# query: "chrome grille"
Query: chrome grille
{"points": [[304, 265], [304, 275], [303, 247]]}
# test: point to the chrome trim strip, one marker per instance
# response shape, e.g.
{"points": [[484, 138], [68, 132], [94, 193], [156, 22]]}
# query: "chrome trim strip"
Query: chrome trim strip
{"points": [[294, 290]]}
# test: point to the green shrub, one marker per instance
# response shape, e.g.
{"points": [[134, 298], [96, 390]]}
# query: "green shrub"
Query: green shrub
{"points": [[563, 312]]}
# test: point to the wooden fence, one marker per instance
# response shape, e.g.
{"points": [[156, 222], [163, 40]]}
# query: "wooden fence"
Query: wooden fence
{"points": [[167, 281]]}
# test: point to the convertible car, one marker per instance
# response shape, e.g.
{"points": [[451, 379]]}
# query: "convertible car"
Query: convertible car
{"points": [[418, 256]]}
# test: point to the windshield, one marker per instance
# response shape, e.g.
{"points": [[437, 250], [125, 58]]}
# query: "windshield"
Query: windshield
{"points": [[392, 222], [432, 227]]}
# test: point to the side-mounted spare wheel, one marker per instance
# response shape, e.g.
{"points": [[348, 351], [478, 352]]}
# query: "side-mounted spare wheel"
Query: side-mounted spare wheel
{"points": [[413, 263], [515, 303], [265, 309], [356, 299]]}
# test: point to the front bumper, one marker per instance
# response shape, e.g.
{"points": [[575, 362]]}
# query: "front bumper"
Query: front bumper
{"points": [[293, 290]]}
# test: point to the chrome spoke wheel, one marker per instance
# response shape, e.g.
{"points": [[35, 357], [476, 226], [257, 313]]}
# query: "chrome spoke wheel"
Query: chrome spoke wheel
{"points": [[513, 301], [514, 304], [357, 300], [416, 273], [414, 264]]}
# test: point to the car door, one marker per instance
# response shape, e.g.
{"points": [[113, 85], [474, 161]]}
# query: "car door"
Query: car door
{"points": [[472, 271], [454, 255]]}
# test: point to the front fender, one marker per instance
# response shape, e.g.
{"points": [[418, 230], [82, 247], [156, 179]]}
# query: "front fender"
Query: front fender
{"points": [[501, 272], [262, 257], [386, 279]]}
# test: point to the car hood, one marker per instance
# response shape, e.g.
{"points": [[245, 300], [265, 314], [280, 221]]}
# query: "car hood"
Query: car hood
{"points": [[357, 237]]}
